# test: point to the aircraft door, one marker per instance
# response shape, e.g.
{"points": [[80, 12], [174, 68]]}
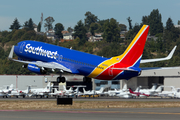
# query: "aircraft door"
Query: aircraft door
{"points": [[21, 47]]}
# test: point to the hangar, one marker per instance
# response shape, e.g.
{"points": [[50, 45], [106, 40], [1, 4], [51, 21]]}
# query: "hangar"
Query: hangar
{"points": [[166, 77]]}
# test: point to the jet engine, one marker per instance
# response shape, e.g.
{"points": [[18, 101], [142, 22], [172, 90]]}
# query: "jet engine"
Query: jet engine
{"points": [[35, 69]]}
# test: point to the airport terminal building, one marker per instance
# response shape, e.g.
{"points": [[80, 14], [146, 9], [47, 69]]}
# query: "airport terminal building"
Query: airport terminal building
{"points": [[166, 77]]}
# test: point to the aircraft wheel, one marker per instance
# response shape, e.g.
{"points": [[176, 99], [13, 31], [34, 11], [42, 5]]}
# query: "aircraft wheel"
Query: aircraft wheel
{"points": [[86, 80], [63, 79], [16, 96], [58, 79]]}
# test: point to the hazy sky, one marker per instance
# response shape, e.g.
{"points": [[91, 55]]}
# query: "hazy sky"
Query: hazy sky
{"points": [[69, 12]]}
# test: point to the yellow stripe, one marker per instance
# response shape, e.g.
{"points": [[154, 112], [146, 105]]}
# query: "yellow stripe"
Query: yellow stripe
{"points": [[116, 59]]}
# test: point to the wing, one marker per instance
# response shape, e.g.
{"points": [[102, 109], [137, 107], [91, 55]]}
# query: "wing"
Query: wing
{"points": [[50, 65], [160, 59]]}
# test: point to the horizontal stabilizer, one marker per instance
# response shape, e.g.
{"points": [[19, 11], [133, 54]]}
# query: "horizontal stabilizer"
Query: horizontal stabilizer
{"points": [[160, 59], [126, 69]]}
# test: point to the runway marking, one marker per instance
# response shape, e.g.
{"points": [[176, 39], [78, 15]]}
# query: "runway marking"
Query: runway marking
{"points": [[88, 111]]}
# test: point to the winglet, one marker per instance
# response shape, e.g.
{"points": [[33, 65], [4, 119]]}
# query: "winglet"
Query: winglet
{"points": [[160, 59], [11, 53], [171, 53]]}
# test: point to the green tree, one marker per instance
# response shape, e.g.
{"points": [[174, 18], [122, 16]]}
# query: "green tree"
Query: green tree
{"points": [[26, 24], [178, 22], [30, 24], [58, 29], [80, 31], [15, 25], [145, 20], [69, 29], [130, 24], [155, 22], [90, 18], [39, 27], [111, 31], [48, 25], [170, 24], [123, 27], [93, 27]]}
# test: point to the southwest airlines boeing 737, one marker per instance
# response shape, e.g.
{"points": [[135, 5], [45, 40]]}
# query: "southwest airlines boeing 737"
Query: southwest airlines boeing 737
{"points": [[39, 56]]}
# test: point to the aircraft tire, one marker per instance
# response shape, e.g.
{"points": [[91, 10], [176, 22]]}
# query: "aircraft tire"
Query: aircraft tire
{"points": [[63, 79], [58, 79], [86, 80]]}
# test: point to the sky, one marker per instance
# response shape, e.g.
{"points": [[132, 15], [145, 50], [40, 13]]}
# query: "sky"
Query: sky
{"points": [[69, 12]]}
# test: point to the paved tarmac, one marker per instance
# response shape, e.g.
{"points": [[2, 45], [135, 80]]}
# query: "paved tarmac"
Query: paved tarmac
{"points": [[96, 99], [94, 114]]}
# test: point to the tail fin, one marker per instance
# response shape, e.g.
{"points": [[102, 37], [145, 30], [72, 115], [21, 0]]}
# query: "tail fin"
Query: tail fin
{"points": [[55, 90], [28, 89], [153, 87], [64, 87], [101, 90], [48, 85], [11, 87], [130, 90], [84, 90], [159, 89], [125, 87], [70, 89], [132, 55]]}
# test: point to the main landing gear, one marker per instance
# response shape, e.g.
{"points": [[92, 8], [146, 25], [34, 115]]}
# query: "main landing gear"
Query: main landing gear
{"points": [[61, 79]]}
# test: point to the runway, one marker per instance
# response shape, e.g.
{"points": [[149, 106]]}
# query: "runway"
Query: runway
{"points": [[94, 114], [96, 99]]}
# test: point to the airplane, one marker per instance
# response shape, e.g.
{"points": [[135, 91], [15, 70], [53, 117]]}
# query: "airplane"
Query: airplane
{"points": [[2, 93], [125, 94], [42, 92], [18, 93], [177, 93], [57, 93], [38, 57], [67, 92], [151, 92], [89, 93], [138, 94], [170, 94], [116, 92], [76, 92], [100, 91], [6, 91], [63, 92]]}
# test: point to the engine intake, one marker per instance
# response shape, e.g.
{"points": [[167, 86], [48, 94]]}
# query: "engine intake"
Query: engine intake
{"points": [[35, 69]]}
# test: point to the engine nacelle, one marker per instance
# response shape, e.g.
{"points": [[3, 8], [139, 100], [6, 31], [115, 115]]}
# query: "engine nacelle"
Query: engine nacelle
{"points": [[35, 69]]}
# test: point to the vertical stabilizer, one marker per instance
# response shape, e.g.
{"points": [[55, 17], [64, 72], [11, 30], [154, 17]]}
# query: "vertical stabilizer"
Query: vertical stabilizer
{"points": [[132, 55]]}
